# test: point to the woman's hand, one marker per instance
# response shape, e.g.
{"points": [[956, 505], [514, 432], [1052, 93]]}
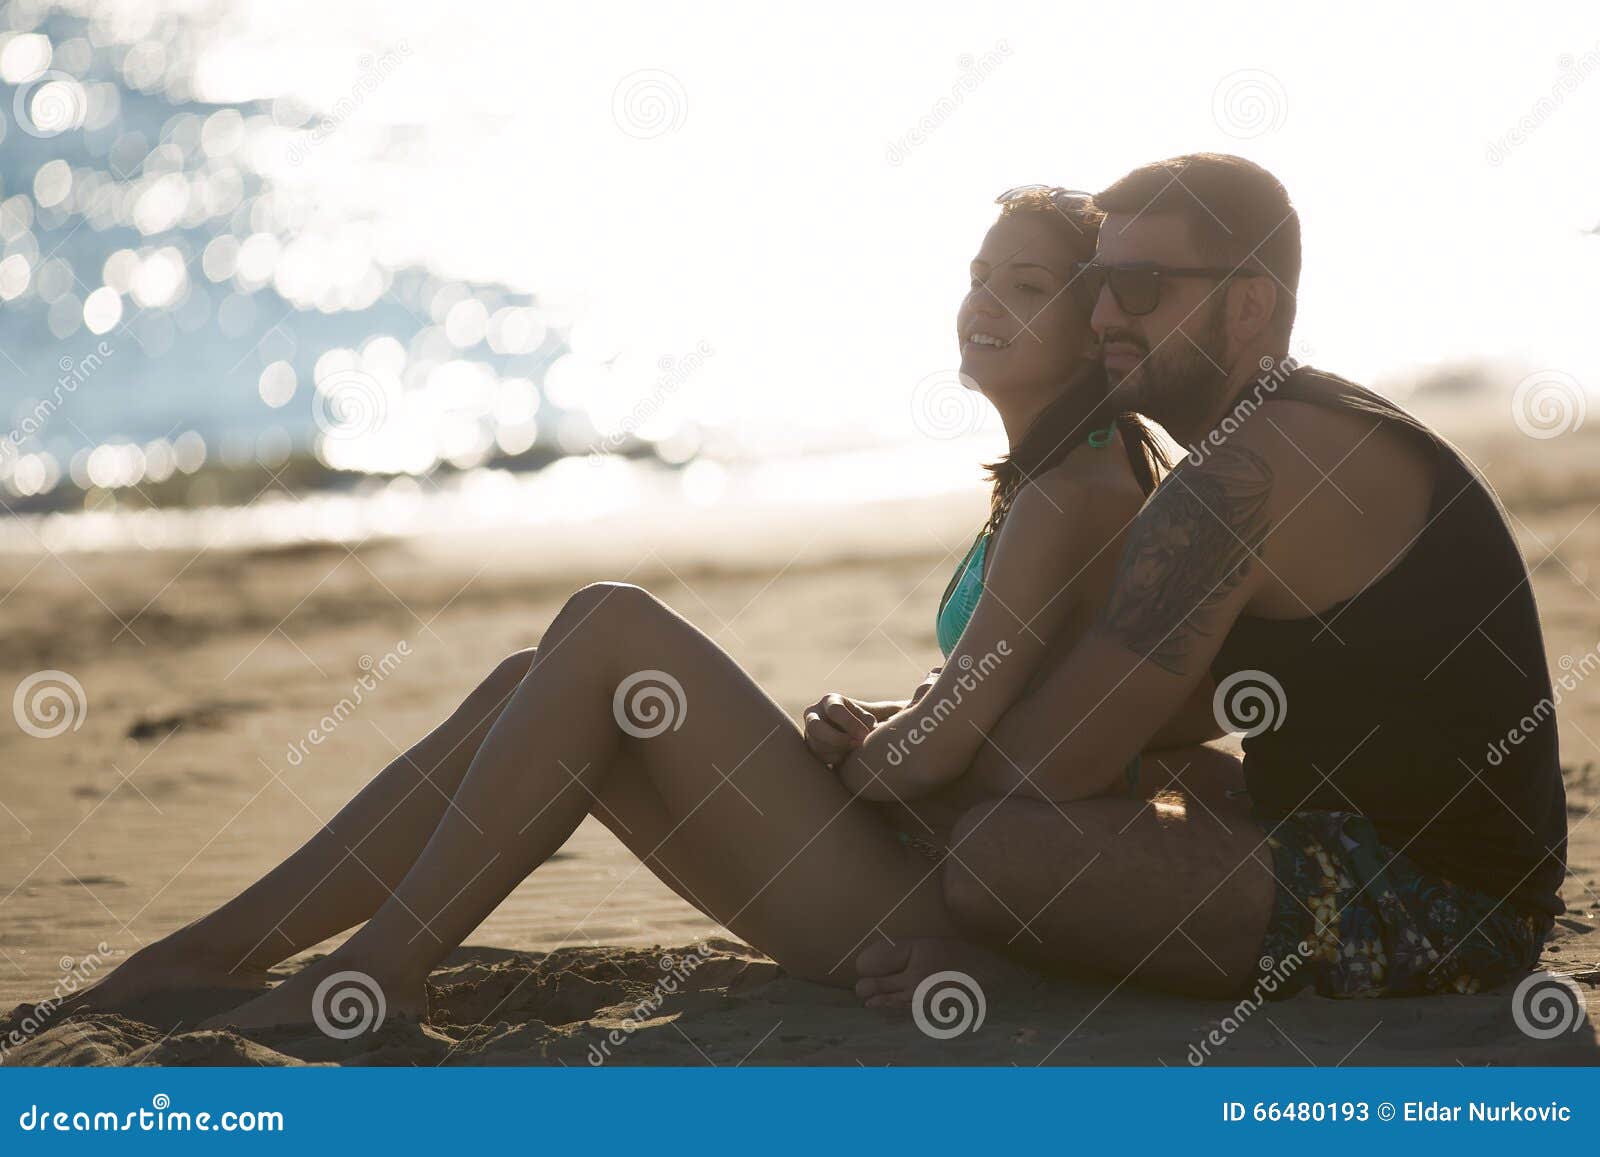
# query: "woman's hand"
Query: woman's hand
{"points": [[836, 725]]}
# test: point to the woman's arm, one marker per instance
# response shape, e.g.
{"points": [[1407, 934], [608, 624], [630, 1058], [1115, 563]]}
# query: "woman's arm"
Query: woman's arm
{"points": [[836, 725], [1057, 526], [884, 710]]}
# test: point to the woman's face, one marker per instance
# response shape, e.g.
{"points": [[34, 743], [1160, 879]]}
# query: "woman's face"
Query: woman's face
{"points": [[1021, 330]]}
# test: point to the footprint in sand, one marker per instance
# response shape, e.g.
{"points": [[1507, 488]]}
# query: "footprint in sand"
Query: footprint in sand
{"points": [[210, 716]]}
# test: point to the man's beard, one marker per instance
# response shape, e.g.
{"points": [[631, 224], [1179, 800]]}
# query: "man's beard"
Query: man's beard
{"points": [[1178, 383]]}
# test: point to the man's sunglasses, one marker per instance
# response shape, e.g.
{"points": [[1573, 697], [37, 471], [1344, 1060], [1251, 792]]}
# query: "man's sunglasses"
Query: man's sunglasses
{"points": [[1137, 288]]}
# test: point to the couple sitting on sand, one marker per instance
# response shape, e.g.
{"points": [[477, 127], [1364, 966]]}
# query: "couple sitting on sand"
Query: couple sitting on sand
{"points": [[1319, 570]]}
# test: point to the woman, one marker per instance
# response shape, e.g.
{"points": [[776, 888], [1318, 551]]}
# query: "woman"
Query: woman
{"points": [[748, 819]]}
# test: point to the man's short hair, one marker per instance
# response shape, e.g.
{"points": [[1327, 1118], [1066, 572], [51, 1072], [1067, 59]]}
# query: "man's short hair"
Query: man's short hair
{"points": [[1237, 214]]}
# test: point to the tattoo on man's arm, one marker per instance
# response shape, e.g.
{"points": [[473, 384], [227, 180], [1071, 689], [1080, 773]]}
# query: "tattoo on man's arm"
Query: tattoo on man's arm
{"points": [[1189, 547]]}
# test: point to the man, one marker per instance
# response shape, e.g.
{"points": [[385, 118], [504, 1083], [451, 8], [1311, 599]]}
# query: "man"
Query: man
{"points": [[1353, 588]]}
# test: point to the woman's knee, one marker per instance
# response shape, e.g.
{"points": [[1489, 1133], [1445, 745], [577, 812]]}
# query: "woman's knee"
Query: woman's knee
{"points": [[605, 608], [509, 672], [480, 708], [608, 597]]}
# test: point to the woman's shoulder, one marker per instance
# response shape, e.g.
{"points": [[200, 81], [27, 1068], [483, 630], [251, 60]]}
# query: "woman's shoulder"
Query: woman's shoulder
{"points": [[1094, 477], [1082, 501]]}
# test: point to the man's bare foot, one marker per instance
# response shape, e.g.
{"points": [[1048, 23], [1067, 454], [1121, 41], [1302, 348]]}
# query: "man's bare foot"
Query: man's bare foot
{"points": [[889, 973], [340, 1000], [171, 964]]}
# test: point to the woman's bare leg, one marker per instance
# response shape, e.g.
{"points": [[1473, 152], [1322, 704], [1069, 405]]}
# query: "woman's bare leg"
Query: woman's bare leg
{"points": [[782, 854], [337, 878]]}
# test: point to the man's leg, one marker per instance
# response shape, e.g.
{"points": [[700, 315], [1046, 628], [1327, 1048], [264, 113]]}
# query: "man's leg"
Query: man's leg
{"points": [[1206, 779], [1174, 891]]}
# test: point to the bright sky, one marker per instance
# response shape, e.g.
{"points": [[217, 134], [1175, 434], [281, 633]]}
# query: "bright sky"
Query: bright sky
{"points": [[761, 212]]}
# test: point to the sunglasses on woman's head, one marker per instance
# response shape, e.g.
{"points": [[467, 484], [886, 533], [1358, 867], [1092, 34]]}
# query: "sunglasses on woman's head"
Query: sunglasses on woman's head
{"points": [[1075, 200], [1137, 288]]}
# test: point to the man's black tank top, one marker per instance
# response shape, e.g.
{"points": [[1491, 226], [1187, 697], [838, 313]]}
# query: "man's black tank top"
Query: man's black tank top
{"points": [[1398, 702]]}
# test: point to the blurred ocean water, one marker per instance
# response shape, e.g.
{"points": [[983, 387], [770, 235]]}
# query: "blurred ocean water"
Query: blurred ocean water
{"points": [[165, 305], [181, 328], [325, 266]]}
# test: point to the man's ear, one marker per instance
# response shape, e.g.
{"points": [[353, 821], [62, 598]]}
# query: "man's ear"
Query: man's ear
{"points": [[1252, 302]]}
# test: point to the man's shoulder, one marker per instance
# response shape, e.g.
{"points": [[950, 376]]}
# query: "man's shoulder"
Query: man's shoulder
{"points": [[1313, 418], [1307, 394]]}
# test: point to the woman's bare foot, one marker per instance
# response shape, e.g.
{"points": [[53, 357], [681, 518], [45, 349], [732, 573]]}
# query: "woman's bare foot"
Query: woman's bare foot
{"points": [[341, 1000], [889, 973], [172, 964]]}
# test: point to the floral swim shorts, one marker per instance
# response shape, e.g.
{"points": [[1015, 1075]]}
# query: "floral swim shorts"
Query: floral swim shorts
{"points": [[1354, 918]]}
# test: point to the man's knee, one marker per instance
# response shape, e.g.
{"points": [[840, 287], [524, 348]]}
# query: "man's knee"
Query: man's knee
{"points": [[965, 894], [993, 882]]}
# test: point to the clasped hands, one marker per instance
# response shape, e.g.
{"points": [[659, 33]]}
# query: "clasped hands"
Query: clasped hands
{"points": [[864, 743]]}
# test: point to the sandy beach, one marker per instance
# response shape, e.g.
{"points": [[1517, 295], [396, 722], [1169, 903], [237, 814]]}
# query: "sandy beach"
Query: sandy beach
{"points": [[189, 768]]}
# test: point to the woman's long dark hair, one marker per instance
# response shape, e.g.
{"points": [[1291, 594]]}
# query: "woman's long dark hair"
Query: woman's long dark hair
{"points": [[1083, 405], [1063, 426]]}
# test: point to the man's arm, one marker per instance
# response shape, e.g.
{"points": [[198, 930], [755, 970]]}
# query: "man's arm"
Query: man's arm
{"points": [[1189, 566]]}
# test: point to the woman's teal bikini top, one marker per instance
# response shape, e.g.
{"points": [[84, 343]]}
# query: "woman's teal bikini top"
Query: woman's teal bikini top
{"points": [[966, 585], [961, 596]]}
